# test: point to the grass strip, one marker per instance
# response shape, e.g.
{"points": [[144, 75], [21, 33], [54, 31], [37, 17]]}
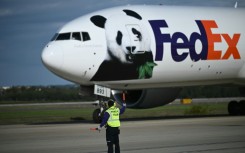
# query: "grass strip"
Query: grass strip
{"points": [[78, 113]]}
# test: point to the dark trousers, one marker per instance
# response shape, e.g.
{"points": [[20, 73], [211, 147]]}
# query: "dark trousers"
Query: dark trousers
{"points": [[112, 138]]}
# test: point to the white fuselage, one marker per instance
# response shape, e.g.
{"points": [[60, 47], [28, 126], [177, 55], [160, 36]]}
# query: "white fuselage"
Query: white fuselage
{"points": [[187, 45]]}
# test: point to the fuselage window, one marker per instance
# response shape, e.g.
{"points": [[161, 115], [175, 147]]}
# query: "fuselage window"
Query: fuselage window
{"points": [[64, 36], [76, 36], [86, 36]]}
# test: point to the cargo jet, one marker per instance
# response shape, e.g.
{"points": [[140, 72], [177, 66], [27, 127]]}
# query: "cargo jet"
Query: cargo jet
{"points": [[151, 52]]}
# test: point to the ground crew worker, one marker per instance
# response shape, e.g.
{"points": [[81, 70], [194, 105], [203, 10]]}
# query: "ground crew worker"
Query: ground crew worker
{"points": [[112, 122]]}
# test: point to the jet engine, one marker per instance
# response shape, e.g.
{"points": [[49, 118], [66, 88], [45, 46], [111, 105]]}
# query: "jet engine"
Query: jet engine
{"points": [[146, 98]]}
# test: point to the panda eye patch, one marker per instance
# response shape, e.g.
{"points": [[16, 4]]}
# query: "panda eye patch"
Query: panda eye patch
{"points": [[136, 32], [119, 37]]}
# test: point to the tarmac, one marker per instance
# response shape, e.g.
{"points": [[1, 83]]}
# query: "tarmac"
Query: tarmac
{"points": [[186, 135]]}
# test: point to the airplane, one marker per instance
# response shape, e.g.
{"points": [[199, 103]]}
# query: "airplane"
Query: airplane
{"points": [[148, 53]]}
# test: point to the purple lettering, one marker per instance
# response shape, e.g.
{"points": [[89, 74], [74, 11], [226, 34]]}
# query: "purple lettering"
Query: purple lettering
{"points": [[175, 45], [159, 37], [203, 39]]}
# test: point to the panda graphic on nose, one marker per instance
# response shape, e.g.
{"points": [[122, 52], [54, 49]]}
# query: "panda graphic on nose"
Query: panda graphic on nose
{"points": [[128, 54]]}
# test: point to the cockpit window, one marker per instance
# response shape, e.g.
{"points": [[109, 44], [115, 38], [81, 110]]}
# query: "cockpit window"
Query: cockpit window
{"points": [[54, 37], [64, 36], [76, 36], [80, 36], [86, 36]]}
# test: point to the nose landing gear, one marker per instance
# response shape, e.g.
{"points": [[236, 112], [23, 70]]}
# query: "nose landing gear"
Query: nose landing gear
{"points": [[99, 112], [103, 94]]}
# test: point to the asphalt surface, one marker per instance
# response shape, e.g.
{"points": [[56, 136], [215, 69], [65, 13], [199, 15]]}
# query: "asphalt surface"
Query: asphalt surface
{"points": [[205, 135]]}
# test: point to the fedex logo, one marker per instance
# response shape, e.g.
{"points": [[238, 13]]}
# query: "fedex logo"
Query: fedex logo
{"points": [[205, 36]]}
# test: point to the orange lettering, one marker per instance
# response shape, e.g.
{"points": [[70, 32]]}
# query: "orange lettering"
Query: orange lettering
{"points": [[232, 49], [212, 38]]}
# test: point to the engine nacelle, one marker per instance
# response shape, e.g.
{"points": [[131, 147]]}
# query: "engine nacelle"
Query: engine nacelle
{"points": [[147, 98]]}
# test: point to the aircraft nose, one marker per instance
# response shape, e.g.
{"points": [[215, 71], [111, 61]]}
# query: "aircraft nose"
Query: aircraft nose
{"points": [[52, 57]]}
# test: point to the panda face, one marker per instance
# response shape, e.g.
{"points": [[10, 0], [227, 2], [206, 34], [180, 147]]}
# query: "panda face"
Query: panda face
{"points": [[125, 37], [125, 41], [130, 43]]}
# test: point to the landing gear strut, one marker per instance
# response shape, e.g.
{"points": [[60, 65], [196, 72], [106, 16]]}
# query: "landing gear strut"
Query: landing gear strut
{"points": [[99, 112], [236, 108]]}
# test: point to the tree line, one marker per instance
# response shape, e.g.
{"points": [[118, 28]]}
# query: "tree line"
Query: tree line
{"points": [[42, 93], [71, 93]]}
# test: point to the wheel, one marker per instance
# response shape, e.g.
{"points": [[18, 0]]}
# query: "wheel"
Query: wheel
{"points": [[233, 108], [242, 107], [97, 116]]}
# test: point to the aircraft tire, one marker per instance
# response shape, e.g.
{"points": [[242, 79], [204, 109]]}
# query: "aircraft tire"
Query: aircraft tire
{"points": [[233, 108], [97, 116], [242, 107]]}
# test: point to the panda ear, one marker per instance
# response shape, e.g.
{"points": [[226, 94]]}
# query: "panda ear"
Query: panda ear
{"points": [[98, 20], [133, 14]]}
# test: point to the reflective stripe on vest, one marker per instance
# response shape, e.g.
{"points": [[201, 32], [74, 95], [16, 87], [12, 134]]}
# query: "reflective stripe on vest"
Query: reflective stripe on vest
{"points": [[113, 120]]}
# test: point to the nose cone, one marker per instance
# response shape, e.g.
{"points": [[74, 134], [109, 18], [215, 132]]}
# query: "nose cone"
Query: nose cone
{"points": [[52, 57]]}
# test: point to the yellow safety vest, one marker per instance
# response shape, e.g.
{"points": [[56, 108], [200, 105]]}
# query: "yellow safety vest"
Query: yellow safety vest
{"points": [[114, 113]]}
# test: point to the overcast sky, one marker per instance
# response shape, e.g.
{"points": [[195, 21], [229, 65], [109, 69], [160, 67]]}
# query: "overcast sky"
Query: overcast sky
{"points": [[26, 26]]}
